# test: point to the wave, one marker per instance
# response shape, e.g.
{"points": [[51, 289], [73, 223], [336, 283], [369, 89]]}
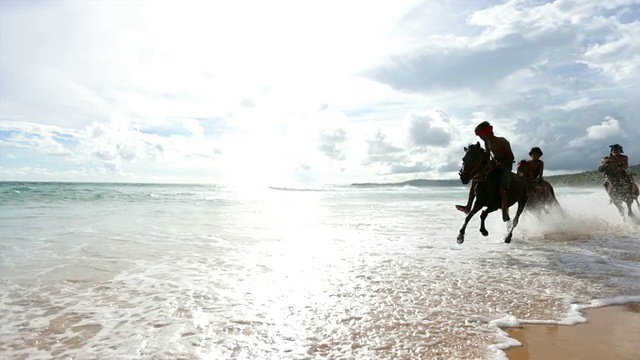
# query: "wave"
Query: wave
{"points": [[294, 189], [574, 316]]}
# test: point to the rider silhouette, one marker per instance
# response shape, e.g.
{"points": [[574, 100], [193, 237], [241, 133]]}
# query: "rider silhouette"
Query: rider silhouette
{"points": [[537, 165], [620, 162]]}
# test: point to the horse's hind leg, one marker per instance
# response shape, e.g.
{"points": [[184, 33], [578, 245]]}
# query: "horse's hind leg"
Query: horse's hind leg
{"points": [[521, 205], [620, 210], [555, 203]]}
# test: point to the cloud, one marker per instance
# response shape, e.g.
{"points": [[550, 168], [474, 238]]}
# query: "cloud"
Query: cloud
{"points": [[222, 94], [409, 169], [46, 140], [382, 151], [423, 133], [608, 128], [330, 143]]}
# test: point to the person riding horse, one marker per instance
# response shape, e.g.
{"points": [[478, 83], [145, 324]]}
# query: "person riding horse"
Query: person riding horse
{"points": [[478, 170], [541, 193], [533, 169], [619, 164], [537, 165], [502, 163], [619, 185]]}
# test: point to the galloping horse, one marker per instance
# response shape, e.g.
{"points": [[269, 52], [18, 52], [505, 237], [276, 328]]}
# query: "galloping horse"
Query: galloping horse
{"points": [[620, 187], [541, 196], [485, 182]]}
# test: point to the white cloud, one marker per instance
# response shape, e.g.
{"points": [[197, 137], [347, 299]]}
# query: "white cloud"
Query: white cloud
{"points": [[609, 127], [329, 92]]}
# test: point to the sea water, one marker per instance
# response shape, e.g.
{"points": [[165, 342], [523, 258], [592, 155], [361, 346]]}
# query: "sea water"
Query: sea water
{"points": [[133, 271]]}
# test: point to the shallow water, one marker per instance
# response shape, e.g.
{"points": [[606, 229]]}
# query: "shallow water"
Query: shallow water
{"points": [[205, 272]]}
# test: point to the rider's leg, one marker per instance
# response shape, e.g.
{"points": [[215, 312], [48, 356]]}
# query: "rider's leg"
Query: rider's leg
{"points": [[628, 180], [504, 186], [606, 187], [504, 204], [467, 208]]}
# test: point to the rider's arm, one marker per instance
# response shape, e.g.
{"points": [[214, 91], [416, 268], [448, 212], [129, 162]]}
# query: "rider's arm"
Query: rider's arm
{"points": [[503, 155], [603, 163], [624, 163], [541, 169]]}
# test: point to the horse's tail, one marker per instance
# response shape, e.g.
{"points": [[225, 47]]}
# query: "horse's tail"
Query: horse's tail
{"points": [[553, 195], [554, 199]]}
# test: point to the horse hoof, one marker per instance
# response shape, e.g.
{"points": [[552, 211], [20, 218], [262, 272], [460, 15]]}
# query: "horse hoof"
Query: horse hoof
{"points": [[507, 240], [484, 232], [460, 239]]}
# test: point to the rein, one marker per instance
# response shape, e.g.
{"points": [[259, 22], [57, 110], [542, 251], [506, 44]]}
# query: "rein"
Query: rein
{"points": [[481, 175]]}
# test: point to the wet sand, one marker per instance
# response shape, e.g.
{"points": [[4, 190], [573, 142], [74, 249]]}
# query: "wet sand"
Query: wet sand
{"points": [[611, 332]]}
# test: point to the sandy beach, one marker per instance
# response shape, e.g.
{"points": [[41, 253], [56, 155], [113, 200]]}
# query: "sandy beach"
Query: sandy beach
{"points": [[611, 332]]}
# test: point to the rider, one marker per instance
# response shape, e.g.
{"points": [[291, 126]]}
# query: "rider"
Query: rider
{"points": [[537, 165], [502, 163], [620, 162]]}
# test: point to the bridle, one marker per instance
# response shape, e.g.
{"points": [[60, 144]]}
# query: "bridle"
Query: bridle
{"points": [[475, 174]]}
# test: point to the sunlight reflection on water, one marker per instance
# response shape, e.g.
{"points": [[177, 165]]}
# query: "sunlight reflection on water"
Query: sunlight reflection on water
{"points": [[272, 274]]}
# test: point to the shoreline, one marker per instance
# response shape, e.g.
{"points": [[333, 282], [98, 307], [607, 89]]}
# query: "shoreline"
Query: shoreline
{"points": [[610, 332]]}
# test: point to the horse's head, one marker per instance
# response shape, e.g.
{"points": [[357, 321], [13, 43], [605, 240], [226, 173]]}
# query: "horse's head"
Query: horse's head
{"points": [[475, 159], [611, 171], [608, 168]]}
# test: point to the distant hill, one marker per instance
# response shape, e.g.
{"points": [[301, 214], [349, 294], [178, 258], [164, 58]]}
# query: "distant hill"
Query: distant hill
{"points": [[587, 178], [417, 183]]}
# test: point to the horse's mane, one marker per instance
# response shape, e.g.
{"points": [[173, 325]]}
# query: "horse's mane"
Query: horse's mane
{"points": [[476, 145]]}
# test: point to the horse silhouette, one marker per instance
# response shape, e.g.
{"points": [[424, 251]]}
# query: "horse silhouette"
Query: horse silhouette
{"points": [[620, 187], [477, 169]]}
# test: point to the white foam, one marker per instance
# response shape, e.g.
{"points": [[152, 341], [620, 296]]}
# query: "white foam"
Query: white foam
{"points": [[505, 343], [370, 273], [618, 300], [573, 317]]}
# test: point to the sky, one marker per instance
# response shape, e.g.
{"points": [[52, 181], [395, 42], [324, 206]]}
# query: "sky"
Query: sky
{"points": [[309, 93]]}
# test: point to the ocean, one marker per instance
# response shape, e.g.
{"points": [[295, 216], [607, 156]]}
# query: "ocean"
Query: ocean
{"points": [[139, 271]]}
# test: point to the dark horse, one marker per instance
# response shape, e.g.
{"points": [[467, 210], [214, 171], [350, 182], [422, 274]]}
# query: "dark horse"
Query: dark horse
{"points": [[620, 187], [484, 182], [541, 196]]}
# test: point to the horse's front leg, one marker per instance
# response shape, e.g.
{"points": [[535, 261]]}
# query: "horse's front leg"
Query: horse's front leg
{"points": [[483, 217], [476, 207]]}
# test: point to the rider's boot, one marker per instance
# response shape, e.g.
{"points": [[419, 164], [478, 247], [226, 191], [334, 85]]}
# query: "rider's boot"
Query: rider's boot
{"points": [[464, 208], [467, 208], [505, 206]]}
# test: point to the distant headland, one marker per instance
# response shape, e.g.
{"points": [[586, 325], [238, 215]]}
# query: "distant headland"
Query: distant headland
{"points": [[583, 179]]}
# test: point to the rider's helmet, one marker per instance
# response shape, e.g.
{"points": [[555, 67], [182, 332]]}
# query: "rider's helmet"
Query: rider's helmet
{"points": [[484, 129], [535, 150], [616, 147]]}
